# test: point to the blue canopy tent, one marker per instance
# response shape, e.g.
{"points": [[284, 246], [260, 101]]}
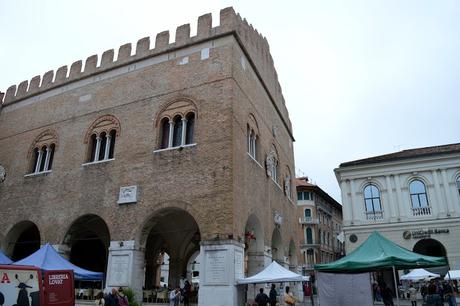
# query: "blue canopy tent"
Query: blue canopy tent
{"points": [[4, 260], [47, 258]]}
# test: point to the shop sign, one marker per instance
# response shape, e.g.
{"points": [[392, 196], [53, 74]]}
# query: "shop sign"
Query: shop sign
{"points": [[424, 233]]}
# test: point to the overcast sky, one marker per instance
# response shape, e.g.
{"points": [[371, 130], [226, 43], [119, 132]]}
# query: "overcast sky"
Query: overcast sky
{"points": [[360, 78]]}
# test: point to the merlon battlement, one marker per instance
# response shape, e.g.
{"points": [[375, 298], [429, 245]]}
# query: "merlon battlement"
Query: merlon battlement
{"points": [[254, 44]]}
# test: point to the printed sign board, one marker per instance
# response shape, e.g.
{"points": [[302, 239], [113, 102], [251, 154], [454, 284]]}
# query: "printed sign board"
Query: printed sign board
{"points": [[24, 286], [20, 286], [59, 289]]}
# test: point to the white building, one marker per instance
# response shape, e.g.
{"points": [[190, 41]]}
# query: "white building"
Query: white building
{"points": [[412, 197]]}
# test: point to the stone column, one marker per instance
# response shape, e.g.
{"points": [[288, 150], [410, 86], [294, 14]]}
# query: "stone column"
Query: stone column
{"points": [[222, 264], [391, 203], [107, 146], [257, 261], [357, 215], [441, 205], [125, 267], [98, 148], [39, 161], [175, 270], [449, 199], [402, 205], [63, 250], [347, 209]]}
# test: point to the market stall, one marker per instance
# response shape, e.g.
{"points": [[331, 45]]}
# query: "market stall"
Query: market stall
{"points": [[378, 253], [418, 275]]}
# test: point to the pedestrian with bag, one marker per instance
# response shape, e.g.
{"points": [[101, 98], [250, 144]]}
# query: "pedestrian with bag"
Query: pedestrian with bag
{"points": [[288, 297]]}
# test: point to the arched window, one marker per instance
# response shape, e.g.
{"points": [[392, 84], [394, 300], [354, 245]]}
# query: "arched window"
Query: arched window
{"points": [[190, 127], [272, 165], [177, 134], [165, 130], [177, 124], [252, 135], [42, 152], [101, 137], [458, 184], [418, 194], [372, 198], [309, 235]]}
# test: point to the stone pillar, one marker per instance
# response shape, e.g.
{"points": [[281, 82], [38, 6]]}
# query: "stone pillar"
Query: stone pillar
{"points": [[449, 199], [125, 267], [175, 270], [440, 203], [222, 264], [390, 198], [257, 261], [347, 209], [357, 213], [402, 205], [62, 249]]}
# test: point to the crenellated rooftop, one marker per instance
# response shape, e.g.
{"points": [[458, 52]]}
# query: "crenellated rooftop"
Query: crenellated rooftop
{"points": [[252, 42]]}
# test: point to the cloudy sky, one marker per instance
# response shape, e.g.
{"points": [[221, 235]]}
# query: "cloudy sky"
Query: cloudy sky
{"points": [[360, 78]]}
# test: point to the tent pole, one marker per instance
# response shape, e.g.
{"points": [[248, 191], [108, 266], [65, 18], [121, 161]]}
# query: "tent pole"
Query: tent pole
{"points": [[396, 286]]}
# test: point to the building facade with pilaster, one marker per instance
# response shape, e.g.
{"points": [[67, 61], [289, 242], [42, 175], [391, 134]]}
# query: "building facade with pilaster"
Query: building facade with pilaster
{"points": [[320, 225], [412, 197]]}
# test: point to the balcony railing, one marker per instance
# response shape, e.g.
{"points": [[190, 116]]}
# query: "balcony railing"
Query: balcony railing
{"points": [[309, 244], [308, 220], [374, 215], [421, 211]]}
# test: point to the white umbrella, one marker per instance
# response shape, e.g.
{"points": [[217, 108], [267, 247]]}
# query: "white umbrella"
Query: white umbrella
{"points": [[418, 274], [454, 274]]}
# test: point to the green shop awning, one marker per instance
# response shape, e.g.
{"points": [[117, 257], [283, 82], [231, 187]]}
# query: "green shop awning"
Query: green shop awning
{"points": [[378, 253]]}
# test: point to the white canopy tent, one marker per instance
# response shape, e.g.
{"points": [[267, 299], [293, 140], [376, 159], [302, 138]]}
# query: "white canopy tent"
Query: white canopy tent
{"points": [[454, 274], [274, 273], [418, 275]]}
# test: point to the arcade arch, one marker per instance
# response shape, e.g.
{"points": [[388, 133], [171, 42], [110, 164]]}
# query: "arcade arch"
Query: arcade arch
{"points": [[292, 255], [253, 246], [172, 231], [88, 240], [277, 246], [22, 240], [430, 247]]}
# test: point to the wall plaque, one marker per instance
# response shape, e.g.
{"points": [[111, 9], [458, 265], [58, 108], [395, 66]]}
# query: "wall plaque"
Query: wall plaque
{"points": [[216, 267], [127, 195], [119, 269], [239, 265]]}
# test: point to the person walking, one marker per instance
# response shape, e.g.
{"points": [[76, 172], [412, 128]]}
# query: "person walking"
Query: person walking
{"points": [[174, 297], [288, 297], [273, 294], [261, 298], [186, 292], [387, 295], [412, 295], [99, 299], [112, 298]]}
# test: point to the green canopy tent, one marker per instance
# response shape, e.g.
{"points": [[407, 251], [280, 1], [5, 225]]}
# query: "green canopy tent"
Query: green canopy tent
{"points": [[379, 253]]}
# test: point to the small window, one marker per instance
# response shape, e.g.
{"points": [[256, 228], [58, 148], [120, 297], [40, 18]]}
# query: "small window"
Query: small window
{"points": [[307, 213], [102, 146], [101, 137], [190, 127], [252, 142], [418, 194], [458, 184], [176, 124], [304, 196], [309, 235], [42, 152], [372, 198]]}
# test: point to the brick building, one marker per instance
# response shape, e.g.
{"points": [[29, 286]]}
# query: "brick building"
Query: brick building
{"points": [[320, 222], [182, 148]]}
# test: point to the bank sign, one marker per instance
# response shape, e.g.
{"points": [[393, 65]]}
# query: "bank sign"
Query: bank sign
{"points": [[424, 233]]}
